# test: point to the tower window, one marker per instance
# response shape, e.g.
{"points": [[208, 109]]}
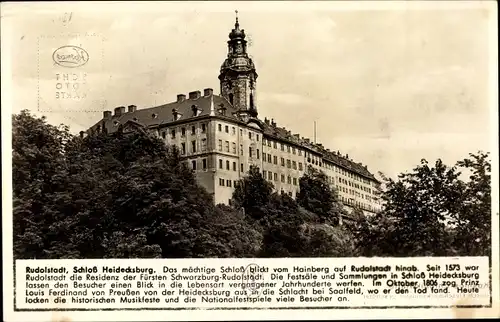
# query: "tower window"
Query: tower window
{"points": [[231, 98], [251, 102]]}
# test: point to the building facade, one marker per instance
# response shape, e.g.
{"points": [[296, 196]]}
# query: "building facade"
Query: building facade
{"points": [[221, 136]]}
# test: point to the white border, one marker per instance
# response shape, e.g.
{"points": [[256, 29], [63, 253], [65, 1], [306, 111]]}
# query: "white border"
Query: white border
{"points": [[12, 9]]}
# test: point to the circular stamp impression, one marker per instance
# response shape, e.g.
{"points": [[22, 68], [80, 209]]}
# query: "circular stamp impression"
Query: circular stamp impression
{"points": [[70, 56], [250, 278]]}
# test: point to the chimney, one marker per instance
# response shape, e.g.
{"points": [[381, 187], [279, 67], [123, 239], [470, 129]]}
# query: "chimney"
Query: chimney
{"points": [[208, 92], [119, 110], [347, 156], [273, 123], [307, 140], [297, 136], [107, 114], [181, 98], [132, 108], [82, 134], [266, 121], [194, 95]]}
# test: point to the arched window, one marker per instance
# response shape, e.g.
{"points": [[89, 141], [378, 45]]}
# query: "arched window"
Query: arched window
{"points": [[251, 102], [231, 98]]}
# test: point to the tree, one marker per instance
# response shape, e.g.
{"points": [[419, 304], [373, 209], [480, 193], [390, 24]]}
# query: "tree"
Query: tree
{"points": [[252, 193], [229, 234], [102, 196], [473, 223], [37, 163], [316, 195], [431, 212]]}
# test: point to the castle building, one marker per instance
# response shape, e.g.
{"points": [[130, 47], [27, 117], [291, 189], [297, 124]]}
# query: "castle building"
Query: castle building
{"points": [[221, 136]]}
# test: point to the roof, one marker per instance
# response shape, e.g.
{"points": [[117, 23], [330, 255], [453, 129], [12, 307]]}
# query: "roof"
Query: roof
{"points": [[282, 133], [164, 114], [209, 105]]}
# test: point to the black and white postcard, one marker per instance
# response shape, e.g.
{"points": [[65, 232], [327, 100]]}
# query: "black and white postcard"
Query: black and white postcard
{"points": [[190, 161]]}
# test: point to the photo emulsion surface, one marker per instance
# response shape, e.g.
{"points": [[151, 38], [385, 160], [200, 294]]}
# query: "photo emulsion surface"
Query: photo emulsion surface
{"points": [[293, 159]]}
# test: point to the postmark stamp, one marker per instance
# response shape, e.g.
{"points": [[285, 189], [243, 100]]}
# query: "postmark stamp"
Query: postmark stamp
{"points": [[70, 68], [253, 278]]}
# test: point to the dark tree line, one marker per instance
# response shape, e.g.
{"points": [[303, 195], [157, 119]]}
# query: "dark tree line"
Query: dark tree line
{"points": [[121, 196]]}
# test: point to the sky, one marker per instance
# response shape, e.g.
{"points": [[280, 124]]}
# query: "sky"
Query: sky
{"points": [[386, 83]]}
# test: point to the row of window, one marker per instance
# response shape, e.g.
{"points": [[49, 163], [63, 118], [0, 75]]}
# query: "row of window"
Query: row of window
{"points": [[354, 185], [227, 183], [290, 164], [193, 147], [354, 193], [228, 165], [269, 175], [195, 164], [283, 146], [311, 158], [193, 129], [225, 128], [362, 205]]}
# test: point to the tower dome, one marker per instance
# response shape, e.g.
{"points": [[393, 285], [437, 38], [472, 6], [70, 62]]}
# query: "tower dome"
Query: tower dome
{"points": [[237, 74]]}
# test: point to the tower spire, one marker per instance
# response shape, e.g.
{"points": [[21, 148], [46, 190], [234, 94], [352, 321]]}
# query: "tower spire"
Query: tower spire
{"points": [[237, 75]]}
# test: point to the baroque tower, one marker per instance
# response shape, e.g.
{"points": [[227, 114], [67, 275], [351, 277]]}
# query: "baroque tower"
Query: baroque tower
{"points": [[237, 74]]}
